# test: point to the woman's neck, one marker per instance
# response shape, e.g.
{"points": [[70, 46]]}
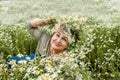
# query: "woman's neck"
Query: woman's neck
{"points": [[52, 51]]}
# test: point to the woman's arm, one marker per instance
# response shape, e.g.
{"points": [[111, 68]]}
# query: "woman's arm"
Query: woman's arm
{"points": [[39, 22], [32, 26]]}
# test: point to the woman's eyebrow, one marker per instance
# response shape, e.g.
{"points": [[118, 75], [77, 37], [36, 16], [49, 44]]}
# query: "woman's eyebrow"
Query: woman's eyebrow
{"points": [[58, 32]]}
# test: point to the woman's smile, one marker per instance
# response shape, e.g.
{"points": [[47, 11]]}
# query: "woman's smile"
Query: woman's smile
{"points": [[57, 44]]}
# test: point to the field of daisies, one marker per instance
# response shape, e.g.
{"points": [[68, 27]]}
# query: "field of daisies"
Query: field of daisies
{"points": [[93, 55]]}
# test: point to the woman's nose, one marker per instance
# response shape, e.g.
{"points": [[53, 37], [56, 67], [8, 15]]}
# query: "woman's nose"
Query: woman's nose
{"points": [[59, 40]]}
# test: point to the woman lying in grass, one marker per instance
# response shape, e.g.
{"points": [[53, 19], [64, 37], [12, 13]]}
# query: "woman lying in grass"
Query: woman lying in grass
{"points": [[48, 45]]}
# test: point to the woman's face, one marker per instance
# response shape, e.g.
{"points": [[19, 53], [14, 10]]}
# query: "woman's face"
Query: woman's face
{"points": [[59, 42]]}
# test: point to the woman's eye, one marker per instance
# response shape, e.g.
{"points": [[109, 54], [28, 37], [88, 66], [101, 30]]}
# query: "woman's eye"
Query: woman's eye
{"points": [[57, 35], [64, 39]]}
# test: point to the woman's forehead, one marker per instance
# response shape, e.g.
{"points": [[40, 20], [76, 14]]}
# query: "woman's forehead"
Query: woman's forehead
{"points": [[63, 33]]}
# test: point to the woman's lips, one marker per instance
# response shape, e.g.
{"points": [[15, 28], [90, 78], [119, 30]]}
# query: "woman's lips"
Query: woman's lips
{"points": [[56, 44]]}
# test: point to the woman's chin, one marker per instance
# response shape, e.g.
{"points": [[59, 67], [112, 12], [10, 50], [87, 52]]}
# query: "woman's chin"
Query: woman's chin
{"points": [[54, 47]]}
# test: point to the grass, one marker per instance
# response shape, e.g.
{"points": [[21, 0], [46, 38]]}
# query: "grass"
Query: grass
{"points": [[96, 24], [17, 11]]}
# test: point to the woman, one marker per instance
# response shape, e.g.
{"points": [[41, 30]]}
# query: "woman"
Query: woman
{"points": [[49, 45]]}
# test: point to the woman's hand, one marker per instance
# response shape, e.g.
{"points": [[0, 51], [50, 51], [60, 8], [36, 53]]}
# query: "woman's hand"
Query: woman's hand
{"points": [[51, 20]]}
